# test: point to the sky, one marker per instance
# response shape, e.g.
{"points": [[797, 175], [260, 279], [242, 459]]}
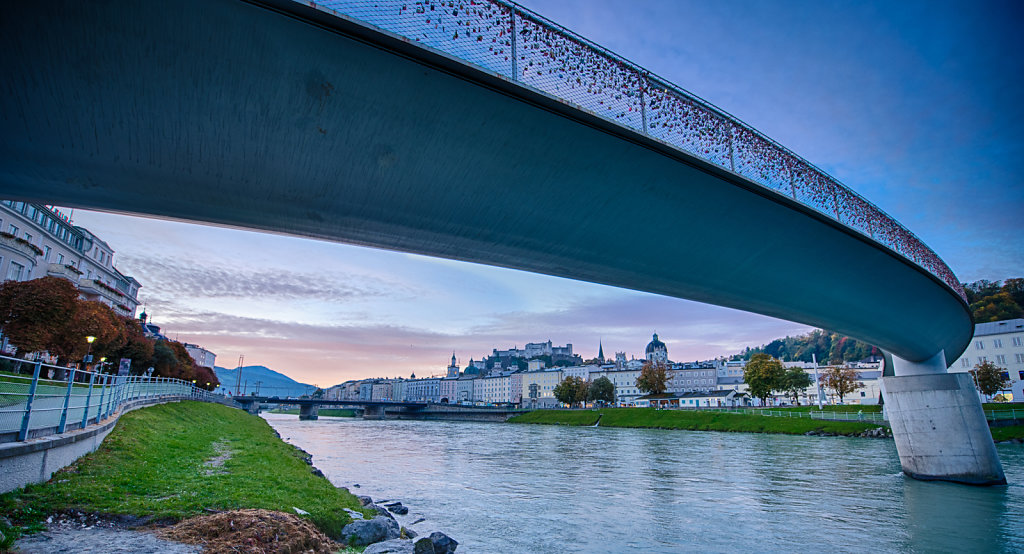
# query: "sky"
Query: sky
{"points": [[914, 105]]}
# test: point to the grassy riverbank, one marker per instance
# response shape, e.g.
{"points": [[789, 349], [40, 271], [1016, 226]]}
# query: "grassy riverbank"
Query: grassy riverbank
{"points": [[177, 460], [693, 420]]}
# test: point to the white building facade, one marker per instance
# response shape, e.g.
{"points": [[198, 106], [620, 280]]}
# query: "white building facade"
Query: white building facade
{"points": [[38, 241], [1002, 343]]}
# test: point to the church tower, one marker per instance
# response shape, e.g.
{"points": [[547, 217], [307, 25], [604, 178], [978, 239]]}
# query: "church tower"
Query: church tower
{"points": [[600, 352], [453, 369]]}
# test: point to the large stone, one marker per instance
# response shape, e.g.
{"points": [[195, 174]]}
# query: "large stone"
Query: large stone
{"points": [[443, 543], [365, 500], [396, 507], [396, 546], [382, 511], [423, 546], [364, 532]]}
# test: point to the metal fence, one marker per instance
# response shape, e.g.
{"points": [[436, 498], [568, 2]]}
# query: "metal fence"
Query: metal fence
{"points": [[508, 40], [56, 399]]}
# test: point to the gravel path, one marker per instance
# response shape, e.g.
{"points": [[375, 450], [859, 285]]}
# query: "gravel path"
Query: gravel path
{"points": [[97, 538]]}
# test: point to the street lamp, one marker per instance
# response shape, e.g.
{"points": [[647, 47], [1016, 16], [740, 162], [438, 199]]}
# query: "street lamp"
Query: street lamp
{"points": [[88, 355]]}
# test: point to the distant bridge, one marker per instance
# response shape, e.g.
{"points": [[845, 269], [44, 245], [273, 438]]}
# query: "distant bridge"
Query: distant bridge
{"points": [[384, 409], [476, 131]]}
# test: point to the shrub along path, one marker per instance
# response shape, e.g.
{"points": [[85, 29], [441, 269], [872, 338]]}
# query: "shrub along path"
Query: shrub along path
{"points": [[156, 464]]}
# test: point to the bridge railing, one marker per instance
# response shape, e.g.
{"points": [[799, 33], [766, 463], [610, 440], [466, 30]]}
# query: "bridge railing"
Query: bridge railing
{"points": [[509, 40], [54, 399]]}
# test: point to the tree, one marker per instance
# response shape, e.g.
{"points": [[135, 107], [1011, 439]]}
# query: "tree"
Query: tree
{"points": [[989, 378], [996, 307], [794, 381], [88, 319], [653, 378], [567, 391], [601, 390], [763, 374], [841, 380], [33, 313]]}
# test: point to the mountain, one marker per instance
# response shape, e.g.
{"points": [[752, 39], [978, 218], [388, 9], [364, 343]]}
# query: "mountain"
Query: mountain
{"points": [[271, 383]]}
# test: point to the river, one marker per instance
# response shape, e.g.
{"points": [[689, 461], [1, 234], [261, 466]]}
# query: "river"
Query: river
{"points": [[500, 488]]}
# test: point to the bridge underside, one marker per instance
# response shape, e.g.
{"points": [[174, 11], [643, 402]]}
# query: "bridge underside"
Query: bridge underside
{"points": [[231, 113], [272, 115]]}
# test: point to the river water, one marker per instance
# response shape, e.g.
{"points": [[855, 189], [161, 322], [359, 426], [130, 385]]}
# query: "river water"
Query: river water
{"points": [[500, 488]]}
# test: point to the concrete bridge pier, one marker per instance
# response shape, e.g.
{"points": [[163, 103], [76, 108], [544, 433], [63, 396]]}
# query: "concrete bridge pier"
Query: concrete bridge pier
{"points": [[253, 408], [937, 420], [373, 412], [309, 412]]}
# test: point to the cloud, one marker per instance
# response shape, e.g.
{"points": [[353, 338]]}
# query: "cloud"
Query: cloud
{"points": [[173, 279]]}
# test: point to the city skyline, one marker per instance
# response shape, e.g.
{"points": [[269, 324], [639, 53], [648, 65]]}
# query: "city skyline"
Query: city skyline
{"points": [[861, 100]]}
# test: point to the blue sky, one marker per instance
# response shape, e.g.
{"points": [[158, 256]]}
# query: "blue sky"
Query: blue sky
{"points": [[916, 106]]}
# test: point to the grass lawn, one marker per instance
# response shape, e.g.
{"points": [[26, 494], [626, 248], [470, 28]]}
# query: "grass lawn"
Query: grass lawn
{"points": [[1008, 432], [155, 463], [691, 420]]}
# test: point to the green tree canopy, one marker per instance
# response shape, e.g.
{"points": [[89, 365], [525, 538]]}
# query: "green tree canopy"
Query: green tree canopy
{"points": [[994, 300], [794, 381], [601, 390], [568, 391], [763, 375]]}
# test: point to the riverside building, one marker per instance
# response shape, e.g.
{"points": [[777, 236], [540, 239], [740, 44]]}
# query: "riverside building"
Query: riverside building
{"points": [[38, 241], [1002, 343]]}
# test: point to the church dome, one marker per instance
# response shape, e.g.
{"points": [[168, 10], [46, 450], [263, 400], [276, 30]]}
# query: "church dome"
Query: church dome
{"points": [[656, 346]]}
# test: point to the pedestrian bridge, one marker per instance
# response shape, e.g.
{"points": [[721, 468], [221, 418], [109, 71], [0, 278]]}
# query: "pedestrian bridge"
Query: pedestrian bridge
{"points": [[475, 131]]}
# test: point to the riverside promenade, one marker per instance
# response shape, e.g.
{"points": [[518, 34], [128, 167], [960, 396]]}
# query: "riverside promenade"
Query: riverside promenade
{"points": [[55, 415]]}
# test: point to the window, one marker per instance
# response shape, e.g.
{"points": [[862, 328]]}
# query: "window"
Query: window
{"points": [[998, 343], [46, 253], [1019, 358], [28, 236], [1017, 341], [1000, 359], [12, 229], [1021, 375], [965, 363], [60, 258], [15, 272], [980, 345]]}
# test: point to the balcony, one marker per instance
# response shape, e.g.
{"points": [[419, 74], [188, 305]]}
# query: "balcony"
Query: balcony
{"points": [[64, 272], [20, 246]]}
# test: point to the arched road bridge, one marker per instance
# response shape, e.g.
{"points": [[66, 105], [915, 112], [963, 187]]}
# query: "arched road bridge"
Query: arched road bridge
{"points": [[478, 131]]}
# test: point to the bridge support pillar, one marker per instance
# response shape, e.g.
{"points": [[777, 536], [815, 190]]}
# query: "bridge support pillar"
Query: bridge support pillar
{"points": [[373, 412], [937, 420], [309, 412], [253, 408]]}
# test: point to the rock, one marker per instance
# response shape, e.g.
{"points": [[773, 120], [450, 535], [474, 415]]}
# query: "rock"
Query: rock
{"points": [[408, 533], [365, 500], [396, 507], [5, 523], [443, 543], [370, 531], [381, 511], [423, 546], [300, 511], [396, 546], [353, 514], [420, 520]]}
